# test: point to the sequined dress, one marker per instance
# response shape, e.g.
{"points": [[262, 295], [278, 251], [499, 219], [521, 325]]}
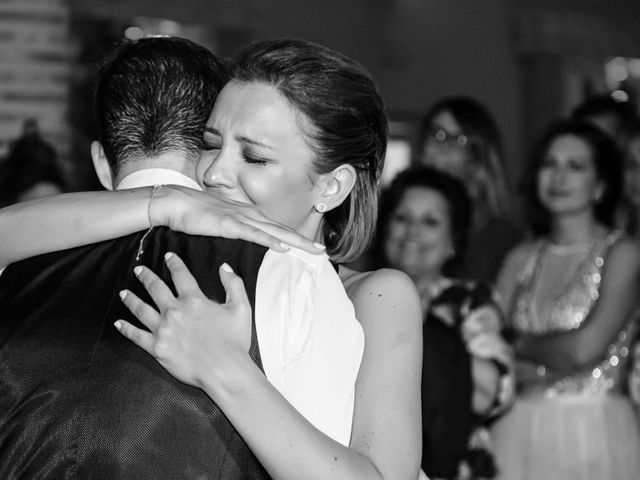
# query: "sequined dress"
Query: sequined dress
{"points": [[580, 426]]}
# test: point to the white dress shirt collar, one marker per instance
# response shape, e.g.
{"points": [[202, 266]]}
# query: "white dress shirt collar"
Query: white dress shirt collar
{"points": [[157, 176]]}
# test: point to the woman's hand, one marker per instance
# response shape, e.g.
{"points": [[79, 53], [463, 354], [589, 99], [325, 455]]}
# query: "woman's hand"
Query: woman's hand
{"points": [[207, 213], [193, 337]]}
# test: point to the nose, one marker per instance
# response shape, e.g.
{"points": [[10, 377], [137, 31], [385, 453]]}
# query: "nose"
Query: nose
{"points": [[413, 229], [219, 170], [559, 175]]}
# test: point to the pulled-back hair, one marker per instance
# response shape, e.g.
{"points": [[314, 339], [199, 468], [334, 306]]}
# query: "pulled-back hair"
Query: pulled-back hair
{"points": [[154, 95], [348, 126]]}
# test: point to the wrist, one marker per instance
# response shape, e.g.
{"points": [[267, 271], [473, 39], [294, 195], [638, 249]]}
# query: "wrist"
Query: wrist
{"points": [[162, 205], [229, 381]]}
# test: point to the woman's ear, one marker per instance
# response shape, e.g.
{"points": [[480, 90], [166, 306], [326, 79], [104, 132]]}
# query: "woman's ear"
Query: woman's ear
{"points": [[598, 192], [101, 165], [337, 186]]}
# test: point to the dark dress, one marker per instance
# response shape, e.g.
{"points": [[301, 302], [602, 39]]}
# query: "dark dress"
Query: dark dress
{"points": [[462, 322], [80, 401]]}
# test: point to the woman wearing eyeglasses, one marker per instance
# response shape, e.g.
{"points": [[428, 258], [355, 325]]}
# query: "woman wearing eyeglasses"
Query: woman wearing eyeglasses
{"points": [[459, 136]]}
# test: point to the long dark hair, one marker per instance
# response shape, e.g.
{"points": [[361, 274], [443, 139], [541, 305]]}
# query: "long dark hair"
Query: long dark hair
{"points": [[606, 159]]}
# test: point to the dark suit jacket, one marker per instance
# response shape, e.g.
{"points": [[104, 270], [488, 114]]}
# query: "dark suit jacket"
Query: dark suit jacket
{"points": [[80, 401]]}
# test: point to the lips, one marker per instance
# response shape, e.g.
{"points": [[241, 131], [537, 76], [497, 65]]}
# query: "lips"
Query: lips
{"points": [[558, 193]]}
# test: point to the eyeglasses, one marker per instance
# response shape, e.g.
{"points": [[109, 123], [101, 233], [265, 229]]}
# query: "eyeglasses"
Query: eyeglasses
{"points": [[452, 140]]}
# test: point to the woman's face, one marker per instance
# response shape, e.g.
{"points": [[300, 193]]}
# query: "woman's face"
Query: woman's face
{"points": [[632, 172], [448, 149], [567, 178], [419, 240], [255, 152]]}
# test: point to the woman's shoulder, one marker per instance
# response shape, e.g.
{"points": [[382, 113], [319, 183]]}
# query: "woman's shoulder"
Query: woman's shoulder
{"points": [[382, 282], [520, 253], [622, 250], [382, 292]]}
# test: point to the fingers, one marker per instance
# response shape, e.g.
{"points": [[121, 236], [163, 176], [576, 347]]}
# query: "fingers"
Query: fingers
{"points": [[281, 238], [138, 336], [233, 285], [159, 291], [183, 280], [251, 230], [142, 311]]}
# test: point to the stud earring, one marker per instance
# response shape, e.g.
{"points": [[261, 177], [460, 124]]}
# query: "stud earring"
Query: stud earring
{"points": [[321, 207]]}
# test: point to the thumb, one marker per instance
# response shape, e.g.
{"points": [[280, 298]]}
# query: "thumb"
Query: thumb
{"points": [[233, 286]]}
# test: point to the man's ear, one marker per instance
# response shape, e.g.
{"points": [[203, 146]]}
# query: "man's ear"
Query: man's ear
{"points": [[101, 165], [337, 186]]}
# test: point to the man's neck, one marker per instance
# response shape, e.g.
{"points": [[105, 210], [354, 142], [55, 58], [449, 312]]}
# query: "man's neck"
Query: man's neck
{"points": [[170, 167]]}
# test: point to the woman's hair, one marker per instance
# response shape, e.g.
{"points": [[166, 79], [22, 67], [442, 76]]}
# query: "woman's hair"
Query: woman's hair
{"points": [[453, 191], [487, 152], [607, 162], [348, 126]]}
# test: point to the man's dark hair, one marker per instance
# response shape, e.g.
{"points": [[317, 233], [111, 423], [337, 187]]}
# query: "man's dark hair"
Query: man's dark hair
{"points": [[155, 95]]}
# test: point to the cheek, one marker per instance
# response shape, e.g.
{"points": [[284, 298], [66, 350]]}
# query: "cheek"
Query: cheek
{"points": [[283, 199], [588, 185], [203, 163], [542, 181], [441, 245]]}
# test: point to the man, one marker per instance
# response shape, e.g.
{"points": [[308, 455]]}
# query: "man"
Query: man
{"points": [[78, 400]]}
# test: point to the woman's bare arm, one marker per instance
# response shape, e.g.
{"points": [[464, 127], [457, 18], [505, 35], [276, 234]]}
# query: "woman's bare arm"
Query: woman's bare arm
{"points": [[69, 220], [386, 435], [73, 219], [570, 351]]}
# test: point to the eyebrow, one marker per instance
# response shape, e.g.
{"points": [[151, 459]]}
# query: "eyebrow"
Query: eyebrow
{"points": [[240, 138]]}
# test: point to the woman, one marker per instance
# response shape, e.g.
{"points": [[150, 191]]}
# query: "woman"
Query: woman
{"points": [[629, 212], [459, 136], [570, 295], [300, 133], [467, 366]]}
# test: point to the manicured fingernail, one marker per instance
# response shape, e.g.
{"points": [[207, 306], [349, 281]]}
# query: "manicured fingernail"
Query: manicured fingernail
{"points": [[137, 270], [319, 246], [123, 293], [225, 266], [168, 255], [118, 325], [284, 246]]}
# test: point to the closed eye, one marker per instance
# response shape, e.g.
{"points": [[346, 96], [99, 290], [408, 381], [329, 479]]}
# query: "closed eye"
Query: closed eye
{"points": [[209, 146], [251, 160]]}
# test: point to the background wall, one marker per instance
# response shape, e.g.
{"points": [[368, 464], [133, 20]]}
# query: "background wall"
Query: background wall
{"points": [[527, 60]]}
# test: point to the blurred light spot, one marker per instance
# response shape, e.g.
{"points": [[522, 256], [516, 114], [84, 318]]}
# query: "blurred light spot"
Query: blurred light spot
{"points": [[133, 33], [169, 27], [620, 96]]}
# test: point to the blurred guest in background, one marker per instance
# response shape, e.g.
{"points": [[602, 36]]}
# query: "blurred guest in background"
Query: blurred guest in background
{"points": [[608, 114], [629, 220], [31, 169], [570, 295], [467, 366], [459, 136], [628, 216]]}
